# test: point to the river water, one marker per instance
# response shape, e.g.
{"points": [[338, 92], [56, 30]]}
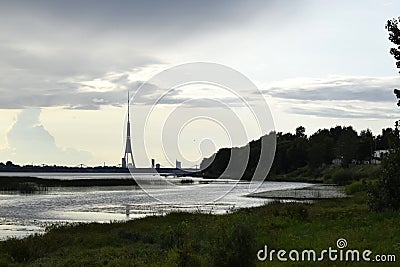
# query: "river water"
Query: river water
{"points": [[22, 215]]}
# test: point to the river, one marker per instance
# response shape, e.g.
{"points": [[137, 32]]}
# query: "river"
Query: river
{"points": [[22, 215]]}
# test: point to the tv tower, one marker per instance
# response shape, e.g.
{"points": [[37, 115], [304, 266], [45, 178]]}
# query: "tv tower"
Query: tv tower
{"points": [[128, 146]]}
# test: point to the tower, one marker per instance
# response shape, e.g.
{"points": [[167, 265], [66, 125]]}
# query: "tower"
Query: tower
{"points": [[128, 146]]}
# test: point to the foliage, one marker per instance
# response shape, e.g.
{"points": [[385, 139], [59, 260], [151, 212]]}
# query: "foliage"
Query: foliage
{"points": [[394, 36], [355, 187], [235, 245], [342, 177], [385, 193]]}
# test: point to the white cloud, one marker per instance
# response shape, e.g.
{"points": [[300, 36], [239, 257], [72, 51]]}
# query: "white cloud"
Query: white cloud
{"points": [[30, 142], [337, 97]]}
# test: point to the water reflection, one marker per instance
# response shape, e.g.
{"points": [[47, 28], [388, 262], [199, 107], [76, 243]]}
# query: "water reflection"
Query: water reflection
{"points": [[21, 215]]}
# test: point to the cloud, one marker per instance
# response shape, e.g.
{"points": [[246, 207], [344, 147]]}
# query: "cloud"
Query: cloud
{"points": [[55, 50], [191, 96], [111, 90], [371, 89], [337, 97], [29, 141], [71, 93], [169, 18], [55, 39], [343, 112]]}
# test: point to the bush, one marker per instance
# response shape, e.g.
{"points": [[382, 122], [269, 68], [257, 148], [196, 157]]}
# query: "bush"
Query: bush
{"points": [[385, 193], [342, 177], [5, 262], [355, 187], [234, 246]]}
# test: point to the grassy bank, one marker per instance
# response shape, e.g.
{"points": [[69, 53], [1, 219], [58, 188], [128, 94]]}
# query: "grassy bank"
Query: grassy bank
{"points": [[183, 239]]}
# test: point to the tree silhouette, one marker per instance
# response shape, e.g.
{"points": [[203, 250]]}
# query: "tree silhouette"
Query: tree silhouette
{"points": [[9, 163], [392, 26], [394, 36], [300, 131], [397, 93]]}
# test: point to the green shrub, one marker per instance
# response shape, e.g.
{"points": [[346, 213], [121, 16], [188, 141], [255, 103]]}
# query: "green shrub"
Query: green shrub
{"points": [[5, 262], [342, 177], [355, 187], [235, 245], [298, 211], [18, 250], [385, 193]]}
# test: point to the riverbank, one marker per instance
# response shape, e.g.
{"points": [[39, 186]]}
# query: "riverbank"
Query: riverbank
{"points": [[193, 239]]}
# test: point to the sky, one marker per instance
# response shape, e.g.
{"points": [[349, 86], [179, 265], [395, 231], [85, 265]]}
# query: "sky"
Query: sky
{"points": [[66, 67]]}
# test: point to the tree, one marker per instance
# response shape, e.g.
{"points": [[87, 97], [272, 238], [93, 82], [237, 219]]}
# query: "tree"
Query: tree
{"points": [[9, 163], [386, 139], [300, 132], [394, 36], [296, 153], [321, 146], [347, 145], [397, 93], [385, 194], [365, 145]]}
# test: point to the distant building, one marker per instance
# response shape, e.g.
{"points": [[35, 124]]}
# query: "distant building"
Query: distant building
{"points": [[337, 161], [378, 155], [178, 164]]}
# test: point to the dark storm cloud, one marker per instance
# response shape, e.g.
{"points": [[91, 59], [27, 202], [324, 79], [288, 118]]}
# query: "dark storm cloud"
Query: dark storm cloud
{"points": [[47, 48], [161, 16]]}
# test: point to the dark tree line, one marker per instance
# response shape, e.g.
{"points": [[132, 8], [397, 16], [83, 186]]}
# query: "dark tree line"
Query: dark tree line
{"points": [[342, 144], [293, 151]]}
